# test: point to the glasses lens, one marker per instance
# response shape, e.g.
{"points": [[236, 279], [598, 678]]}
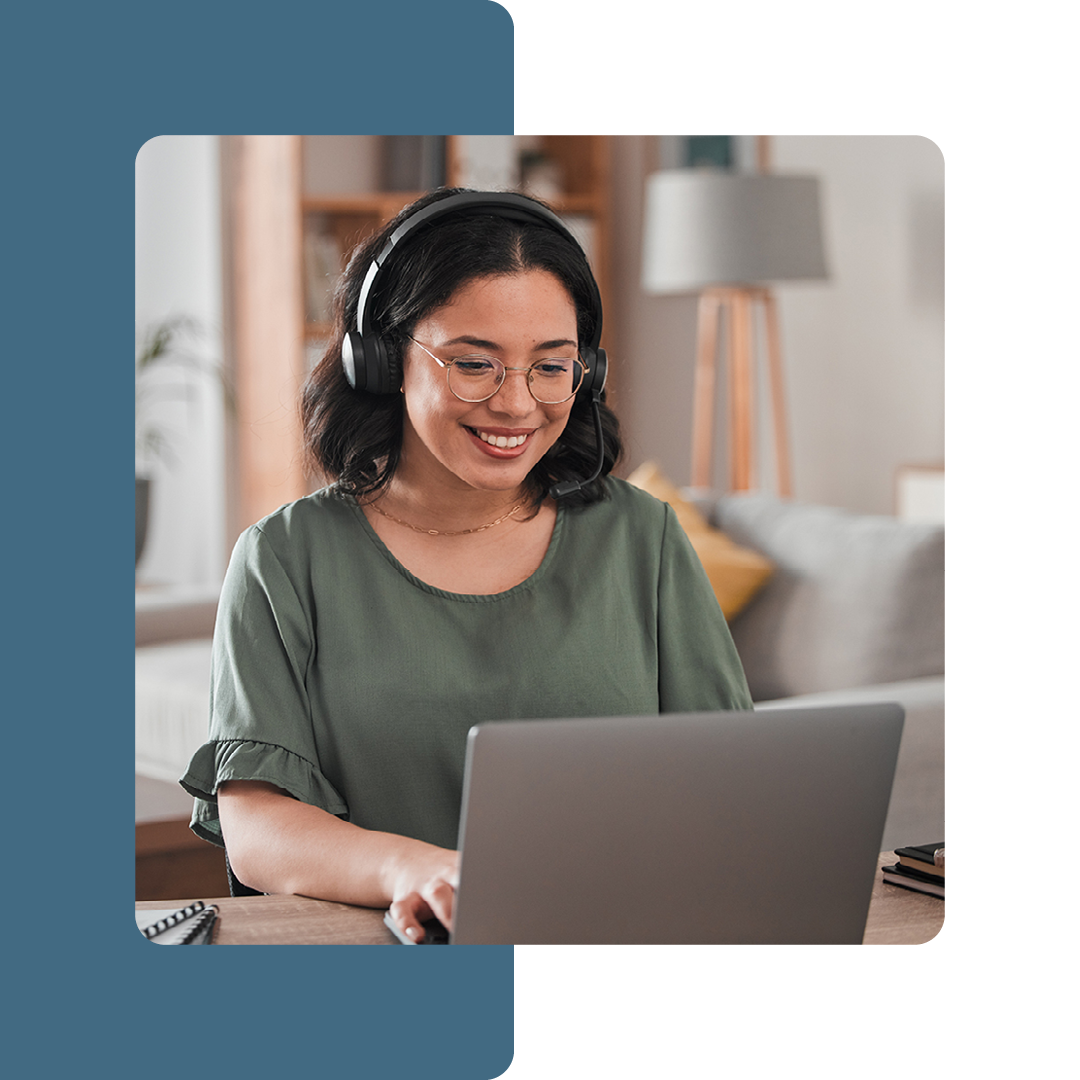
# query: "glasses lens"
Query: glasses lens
{"points": [[555, 380], [474, 378]]}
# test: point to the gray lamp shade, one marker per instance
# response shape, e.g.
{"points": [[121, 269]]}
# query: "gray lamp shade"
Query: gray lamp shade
{"points": [[710, 227]]}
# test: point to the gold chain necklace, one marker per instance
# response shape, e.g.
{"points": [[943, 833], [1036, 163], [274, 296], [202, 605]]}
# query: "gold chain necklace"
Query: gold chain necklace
{"points": [[439, 532]]}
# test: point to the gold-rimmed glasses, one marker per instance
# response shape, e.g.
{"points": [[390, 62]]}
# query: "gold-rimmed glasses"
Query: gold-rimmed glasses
{"points": [[551, 381]]}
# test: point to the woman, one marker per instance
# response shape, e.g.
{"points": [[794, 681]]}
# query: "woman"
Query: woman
{"points": [[471, 560]]}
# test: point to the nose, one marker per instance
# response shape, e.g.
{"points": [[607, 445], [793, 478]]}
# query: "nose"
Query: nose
{"points": [[513, 398]]}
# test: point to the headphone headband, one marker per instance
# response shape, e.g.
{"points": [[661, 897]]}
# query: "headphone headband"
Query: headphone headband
{"points": [[363, 353], [503, 204]]}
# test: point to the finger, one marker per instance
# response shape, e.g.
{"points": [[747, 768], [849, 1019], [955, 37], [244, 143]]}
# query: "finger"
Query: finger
{"points": [[407, 913], [440, 899]]}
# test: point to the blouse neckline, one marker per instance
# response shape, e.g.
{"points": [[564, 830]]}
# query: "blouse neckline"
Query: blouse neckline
{"points": [[467, 598]]}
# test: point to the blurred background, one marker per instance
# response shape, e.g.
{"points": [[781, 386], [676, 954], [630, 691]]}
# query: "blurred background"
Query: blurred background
{"points": [[822, 365], [242, 235]]}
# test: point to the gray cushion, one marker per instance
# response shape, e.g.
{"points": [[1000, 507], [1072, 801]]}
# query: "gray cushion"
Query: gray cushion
{"points": [[917, 803], [855, 599]]}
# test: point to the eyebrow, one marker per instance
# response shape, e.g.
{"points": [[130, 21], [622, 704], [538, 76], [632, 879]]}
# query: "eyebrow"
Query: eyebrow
{"points": [[482, 343]]}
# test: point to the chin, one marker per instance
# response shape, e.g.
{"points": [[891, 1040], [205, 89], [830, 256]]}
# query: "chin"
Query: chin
{"points": [[500, 480]]}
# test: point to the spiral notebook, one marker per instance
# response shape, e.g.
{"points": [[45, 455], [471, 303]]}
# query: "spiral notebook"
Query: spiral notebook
{"points": [[191, 925]]}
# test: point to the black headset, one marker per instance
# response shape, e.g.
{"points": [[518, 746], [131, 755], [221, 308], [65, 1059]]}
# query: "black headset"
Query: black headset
{"points": [[364, 355]]}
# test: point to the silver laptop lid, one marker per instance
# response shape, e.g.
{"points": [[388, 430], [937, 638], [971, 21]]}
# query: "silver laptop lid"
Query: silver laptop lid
{"points": [[741, 827]]}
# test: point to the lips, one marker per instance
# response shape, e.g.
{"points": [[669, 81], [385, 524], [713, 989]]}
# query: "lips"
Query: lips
{"points": [[500, 442]]}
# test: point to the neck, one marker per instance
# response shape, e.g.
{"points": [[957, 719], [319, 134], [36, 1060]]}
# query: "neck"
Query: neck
{"points": [[447, 507]]}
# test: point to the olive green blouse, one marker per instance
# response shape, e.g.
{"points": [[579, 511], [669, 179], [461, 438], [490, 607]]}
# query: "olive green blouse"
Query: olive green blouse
{"points": [[342, 678]]}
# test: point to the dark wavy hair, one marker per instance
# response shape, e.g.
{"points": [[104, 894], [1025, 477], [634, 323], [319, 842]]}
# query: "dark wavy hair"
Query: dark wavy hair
{"points": [[354, 438]]}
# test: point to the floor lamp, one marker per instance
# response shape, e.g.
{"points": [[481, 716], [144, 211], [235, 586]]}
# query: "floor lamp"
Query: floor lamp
{"points": [[724, 236]]}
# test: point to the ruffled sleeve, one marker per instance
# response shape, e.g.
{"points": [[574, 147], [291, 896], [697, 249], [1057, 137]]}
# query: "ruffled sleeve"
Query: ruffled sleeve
{"points": [[260, 714], [236, 759]]}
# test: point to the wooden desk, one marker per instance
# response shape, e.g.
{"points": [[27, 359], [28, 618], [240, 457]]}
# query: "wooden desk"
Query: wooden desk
{"points": [[289, 920], [896, 917], [899, 916]]}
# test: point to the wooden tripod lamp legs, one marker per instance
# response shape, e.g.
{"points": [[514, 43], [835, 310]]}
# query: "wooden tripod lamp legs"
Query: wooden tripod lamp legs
{"points": [[704, 413], [741, 389], [776, 391], [738, 305]]}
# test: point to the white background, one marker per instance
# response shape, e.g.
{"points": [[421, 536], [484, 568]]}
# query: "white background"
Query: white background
{"points": [[989, 83]]}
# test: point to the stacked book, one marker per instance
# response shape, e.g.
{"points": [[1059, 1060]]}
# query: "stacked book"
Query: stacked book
{"points": [[920, 868]]}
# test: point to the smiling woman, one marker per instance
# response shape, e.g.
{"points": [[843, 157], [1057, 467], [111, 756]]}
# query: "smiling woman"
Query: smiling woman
{"points": [[459, 416]]}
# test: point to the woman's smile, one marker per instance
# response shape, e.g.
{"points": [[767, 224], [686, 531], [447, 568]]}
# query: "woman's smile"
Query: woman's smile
{"points": [[501, 442]]}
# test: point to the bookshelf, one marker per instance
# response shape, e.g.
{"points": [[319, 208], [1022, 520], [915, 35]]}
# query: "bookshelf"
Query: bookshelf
{"points": [[332, 227], [570, 172]]}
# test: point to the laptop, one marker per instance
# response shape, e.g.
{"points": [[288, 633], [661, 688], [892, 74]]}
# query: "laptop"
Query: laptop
{"points": [[697, 828]]}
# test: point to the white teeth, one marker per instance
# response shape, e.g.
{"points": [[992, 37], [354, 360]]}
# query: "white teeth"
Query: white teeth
{"points": [[502, 440]]}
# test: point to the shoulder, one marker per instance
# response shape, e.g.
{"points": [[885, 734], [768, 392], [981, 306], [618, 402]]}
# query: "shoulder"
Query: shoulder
{"points": [[285, 553], [628, 516], [296, 528], [317, 511], [628, 503], [628, 495]]}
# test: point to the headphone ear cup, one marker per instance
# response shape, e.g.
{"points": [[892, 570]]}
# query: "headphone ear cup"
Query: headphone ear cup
{"points": [[392, 370], [595, 378], [367, 365], [352, 359]]}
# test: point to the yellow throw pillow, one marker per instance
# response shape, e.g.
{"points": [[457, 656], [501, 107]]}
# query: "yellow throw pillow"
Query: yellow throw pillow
{"points": [[735, 573]]}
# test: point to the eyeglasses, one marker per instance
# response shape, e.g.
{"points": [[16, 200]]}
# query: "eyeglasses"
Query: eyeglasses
{"points": [[476, 378]]}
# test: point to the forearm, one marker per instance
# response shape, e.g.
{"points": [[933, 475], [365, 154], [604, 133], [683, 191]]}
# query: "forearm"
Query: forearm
{"points": [[278, 844]]}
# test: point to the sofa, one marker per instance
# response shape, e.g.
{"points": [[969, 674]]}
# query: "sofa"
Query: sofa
{"points": [[853, 611]]}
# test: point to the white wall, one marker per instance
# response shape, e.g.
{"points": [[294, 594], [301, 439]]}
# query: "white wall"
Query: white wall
{"points": [[178, 271], [864, 351]]}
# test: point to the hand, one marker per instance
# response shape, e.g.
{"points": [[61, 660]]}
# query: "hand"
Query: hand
{"points": [[424, 888]]}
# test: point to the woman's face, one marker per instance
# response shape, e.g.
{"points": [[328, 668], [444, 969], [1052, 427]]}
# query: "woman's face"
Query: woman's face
{"points": [[519, 319]]}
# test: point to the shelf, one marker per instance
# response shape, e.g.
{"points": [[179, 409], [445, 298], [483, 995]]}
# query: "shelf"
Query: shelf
{"points": [[333, 224], [385, 204]]}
